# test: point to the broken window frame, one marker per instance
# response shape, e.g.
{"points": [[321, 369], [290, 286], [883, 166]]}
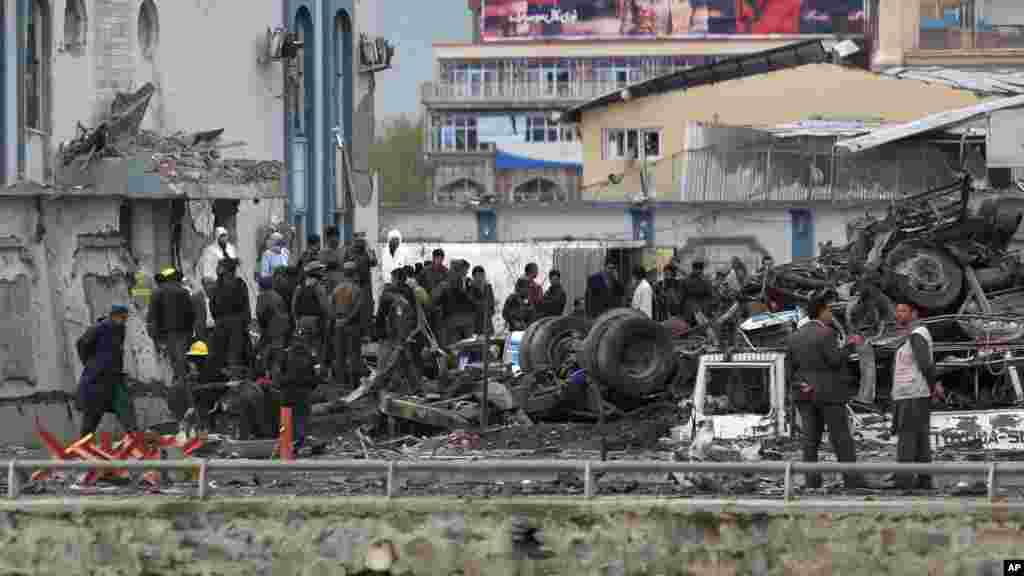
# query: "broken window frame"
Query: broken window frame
{"points": [[775, 362]]}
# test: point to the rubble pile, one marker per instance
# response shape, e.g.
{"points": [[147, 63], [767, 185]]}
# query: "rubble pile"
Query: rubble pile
{"points": [[194, 157]]}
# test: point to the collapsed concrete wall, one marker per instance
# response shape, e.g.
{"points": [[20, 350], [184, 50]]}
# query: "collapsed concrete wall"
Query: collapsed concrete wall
{"points": [[65, 260], [499, 537]]}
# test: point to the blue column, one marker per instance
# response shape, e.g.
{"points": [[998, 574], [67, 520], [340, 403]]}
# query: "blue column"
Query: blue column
{"points": [[319, 129]]}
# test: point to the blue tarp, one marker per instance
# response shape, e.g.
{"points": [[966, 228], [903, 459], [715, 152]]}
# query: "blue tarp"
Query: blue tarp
{"points": [[506, 161]]}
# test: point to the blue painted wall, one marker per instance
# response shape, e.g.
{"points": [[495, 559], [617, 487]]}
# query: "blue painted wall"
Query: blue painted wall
{"points": [[335, 97]]}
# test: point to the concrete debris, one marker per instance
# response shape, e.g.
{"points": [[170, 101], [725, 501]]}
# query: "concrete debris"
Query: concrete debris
{"points": [[194, 157]]}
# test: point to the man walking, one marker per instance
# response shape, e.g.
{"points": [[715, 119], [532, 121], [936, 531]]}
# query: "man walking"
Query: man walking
{"points": [[913, 387], [816, 363], [102, 387]]}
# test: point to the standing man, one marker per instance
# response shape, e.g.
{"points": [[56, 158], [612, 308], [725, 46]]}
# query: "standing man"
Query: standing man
{"points": [[643, 294], [220, 249], [310, 307], [436, 272], [345, 311], [396, 256], [312, 251], [604, 291], [816, 364], [170, 323], [274, 321], [517, 312], [697, 294], [456, 308], [275, 256], [102, 387], [482, 294], [229, 305], [365, 259], [536, 290], [913, 387], [553, 303]]}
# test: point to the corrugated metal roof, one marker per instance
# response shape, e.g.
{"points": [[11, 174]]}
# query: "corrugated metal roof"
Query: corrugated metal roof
{"points": [[927, 124], [823, 128], [997, 82]]}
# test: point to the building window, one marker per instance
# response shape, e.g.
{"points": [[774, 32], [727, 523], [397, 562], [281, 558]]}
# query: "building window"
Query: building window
{"points": [[148, 29], [74, 26], [632, 144], [971, 24], [457, 133], [540, 128], [617, 72], [37, 70], [538, 190], [459, 191]]}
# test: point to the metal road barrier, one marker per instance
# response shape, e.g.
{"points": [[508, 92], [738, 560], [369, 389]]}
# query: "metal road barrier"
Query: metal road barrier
{"points": [[589, 469]]}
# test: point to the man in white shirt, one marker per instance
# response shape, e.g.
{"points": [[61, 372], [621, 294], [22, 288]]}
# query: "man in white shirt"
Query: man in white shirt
{"points": [[395, 256], [219, 249], [913, 387], [643, 295]]}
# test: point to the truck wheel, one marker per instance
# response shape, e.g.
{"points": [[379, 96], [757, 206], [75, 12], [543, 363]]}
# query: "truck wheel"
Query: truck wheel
{"points": [[593, 340], [636, 356], [868, 316], [562, 338], [530, 357], [927, 276]]}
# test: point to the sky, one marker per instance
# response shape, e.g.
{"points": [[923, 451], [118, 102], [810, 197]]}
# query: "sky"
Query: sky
{"points": [[413, 26]]}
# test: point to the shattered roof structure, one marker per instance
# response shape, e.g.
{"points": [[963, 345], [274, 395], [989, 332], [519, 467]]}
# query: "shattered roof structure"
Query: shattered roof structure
{"points": [[823, 128], [994, 82], [934, 122], [119, 157]]}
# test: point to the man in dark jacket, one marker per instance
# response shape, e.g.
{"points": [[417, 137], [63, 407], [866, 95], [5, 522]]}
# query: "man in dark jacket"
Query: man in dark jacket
{"points": [[668, 293], [435, 272], [296, 376], [456, 308], [229, 305], [397, 321], [272, 315], [819, 390], [482, 294], [310, 307], [604, 291], [517, 312], [553, 302], [346, 302], [102, 387], [311, 253], [170, 323], [365, 258], [697, 294]]}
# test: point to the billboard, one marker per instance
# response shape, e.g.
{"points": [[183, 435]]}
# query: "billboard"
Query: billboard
{"points": [[615, 19]]}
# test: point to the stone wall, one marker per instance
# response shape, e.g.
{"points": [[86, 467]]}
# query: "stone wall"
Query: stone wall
{"points": [[501, 537]]}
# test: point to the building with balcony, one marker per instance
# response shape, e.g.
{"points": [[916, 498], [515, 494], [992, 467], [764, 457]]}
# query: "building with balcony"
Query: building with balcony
{"points": [[494, 143]]}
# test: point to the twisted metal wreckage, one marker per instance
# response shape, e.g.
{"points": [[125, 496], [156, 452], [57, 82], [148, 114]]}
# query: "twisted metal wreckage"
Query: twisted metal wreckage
{"points": [[936, 249]]}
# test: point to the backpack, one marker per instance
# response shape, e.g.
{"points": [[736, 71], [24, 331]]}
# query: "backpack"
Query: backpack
{"points": [[86, 343]]}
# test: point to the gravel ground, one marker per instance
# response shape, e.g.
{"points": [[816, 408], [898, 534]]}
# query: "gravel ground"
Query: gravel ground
{"points": [[638, 436]]}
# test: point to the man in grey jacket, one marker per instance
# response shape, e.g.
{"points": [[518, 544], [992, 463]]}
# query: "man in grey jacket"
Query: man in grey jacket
{"points": [[913, 387], [816, 363]]}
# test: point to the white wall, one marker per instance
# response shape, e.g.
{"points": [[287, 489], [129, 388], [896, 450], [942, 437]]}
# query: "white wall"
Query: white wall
{"points": [[204, 67], [675, 225]]}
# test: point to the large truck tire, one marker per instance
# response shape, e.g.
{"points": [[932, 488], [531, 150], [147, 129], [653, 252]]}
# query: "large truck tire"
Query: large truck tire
{"points": [[869, 314], [927, 276], [529, 359], [636, 355], [590, 344]]}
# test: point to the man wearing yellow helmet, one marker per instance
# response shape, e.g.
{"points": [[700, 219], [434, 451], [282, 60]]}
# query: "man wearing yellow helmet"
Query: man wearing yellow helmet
{"points": [[170, 323]]}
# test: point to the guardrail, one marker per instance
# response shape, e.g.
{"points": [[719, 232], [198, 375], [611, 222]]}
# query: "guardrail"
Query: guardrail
{"points": [[392, 468]]}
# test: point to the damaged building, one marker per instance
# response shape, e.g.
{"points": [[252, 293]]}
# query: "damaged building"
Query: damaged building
{"points": [[122, 154]]}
